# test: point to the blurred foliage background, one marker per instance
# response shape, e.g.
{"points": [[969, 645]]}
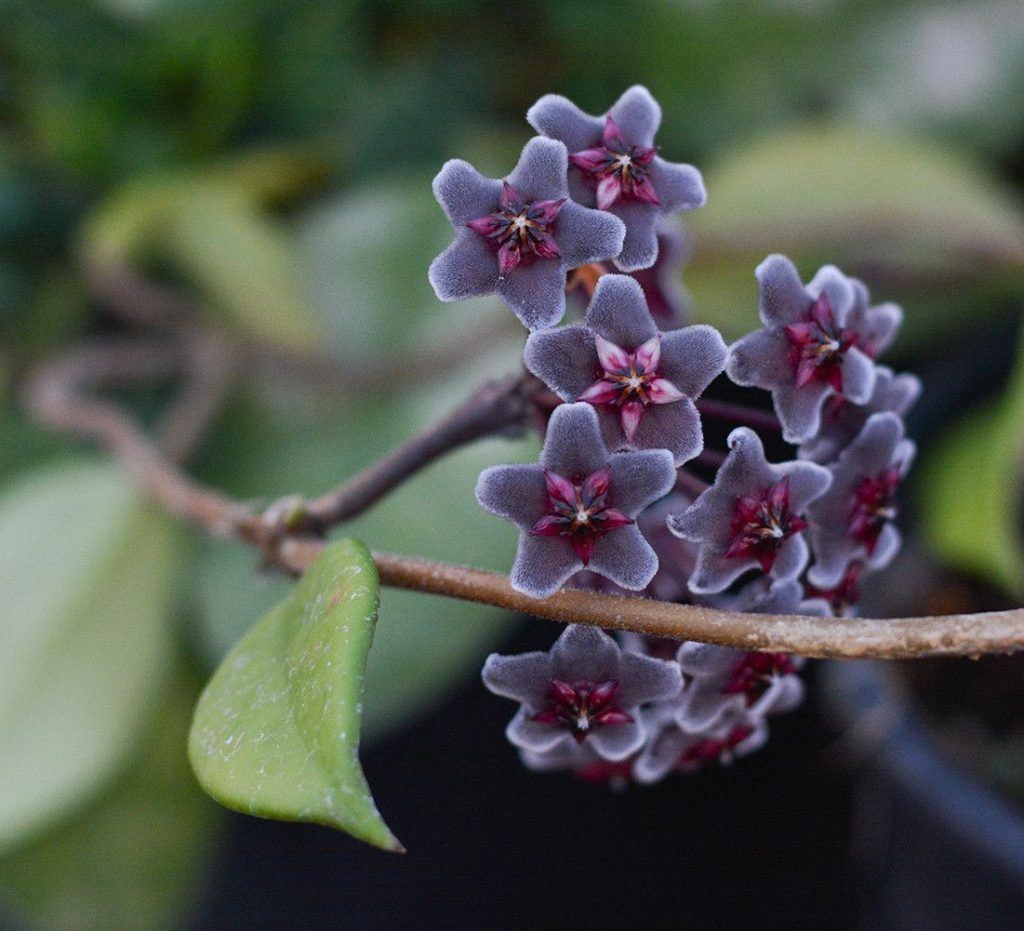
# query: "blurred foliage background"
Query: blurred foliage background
{"points": [[271, 163]]}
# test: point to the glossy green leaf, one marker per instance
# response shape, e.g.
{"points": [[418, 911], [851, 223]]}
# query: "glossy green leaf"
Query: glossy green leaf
{"points": [[86, 571], [903, 213], [133, 858], [276, 732], [971, 492]]}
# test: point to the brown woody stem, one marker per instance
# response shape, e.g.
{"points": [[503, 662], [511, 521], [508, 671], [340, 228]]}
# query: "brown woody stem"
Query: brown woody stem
{"points": [[57, 395]]}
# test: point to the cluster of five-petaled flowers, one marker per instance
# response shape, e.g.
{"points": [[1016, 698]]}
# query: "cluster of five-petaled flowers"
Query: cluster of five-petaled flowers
{"points": [[594, 190]]}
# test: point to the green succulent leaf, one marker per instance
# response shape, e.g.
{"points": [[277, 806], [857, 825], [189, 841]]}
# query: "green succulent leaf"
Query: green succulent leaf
{"points": [[276, 731], [87, 571]]}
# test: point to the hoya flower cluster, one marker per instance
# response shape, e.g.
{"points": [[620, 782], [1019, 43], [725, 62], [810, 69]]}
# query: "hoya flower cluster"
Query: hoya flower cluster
{"points": [[620, 499]]}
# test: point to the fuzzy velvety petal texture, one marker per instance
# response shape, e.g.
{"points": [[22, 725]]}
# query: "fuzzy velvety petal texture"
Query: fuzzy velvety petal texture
{"points": [[853, 520], [519, 238], [818, 342], [587, 236], [716, 521], [573, 444], [584, 692], [613, 157], [618, 312], [561, 535], [641, 382]]}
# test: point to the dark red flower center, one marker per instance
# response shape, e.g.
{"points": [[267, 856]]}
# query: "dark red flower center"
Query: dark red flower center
{"points": [[761, 523], [579, 510], [844, 595], [582, 706], [520, 231], [817, 346], [709, 749], [874, 504], [755, 672]]}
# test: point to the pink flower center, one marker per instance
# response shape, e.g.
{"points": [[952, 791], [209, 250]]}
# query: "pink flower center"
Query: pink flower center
{"points": [[582, 706], [818, 345], [761, 523], [874, 504], [755, 672], [619, 170], [579, 510], [520, 231], [630, 381]]}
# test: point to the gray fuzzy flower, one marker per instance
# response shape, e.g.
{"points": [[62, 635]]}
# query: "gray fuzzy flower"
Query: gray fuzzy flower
{"points": [[577, 508], [750, 517], [616, 168], [842, 421], [819, 341], [585, 690], [642, 382], [518, 237], [853, 520]]}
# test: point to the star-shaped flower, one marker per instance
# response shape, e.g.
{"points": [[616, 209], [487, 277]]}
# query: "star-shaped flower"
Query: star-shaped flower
{"points": [[585, 692], [853, 520], [616, 166], [641, 381], [751, 517], [518, 237], [818, 342], [578, 506]]}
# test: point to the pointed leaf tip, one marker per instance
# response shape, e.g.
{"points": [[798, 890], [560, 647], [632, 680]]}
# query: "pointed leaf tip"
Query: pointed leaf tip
{"points": [[276, 732]]}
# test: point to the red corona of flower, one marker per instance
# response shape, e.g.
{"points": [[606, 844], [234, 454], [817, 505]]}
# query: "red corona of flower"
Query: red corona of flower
{"points": [[762, 523], [874, 504], [630, 381], [520, 231], [755, 672], [580, 511], [619, 170], [817, 347], [582, 706]]}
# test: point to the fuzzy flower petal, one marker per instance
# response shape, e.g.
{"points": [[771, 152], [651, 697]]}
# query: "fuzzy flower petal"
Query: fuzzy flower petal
{"points": [[842, 421], [519, 237], [818, 342], [750, 517], [853, 520], [577, 508], [614, 167], [646, 381], [584, 692]]}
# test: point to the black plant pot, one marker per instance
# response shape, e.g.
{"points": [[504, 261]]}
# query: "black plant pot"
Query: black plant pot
{"points": [[938, 849]]}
